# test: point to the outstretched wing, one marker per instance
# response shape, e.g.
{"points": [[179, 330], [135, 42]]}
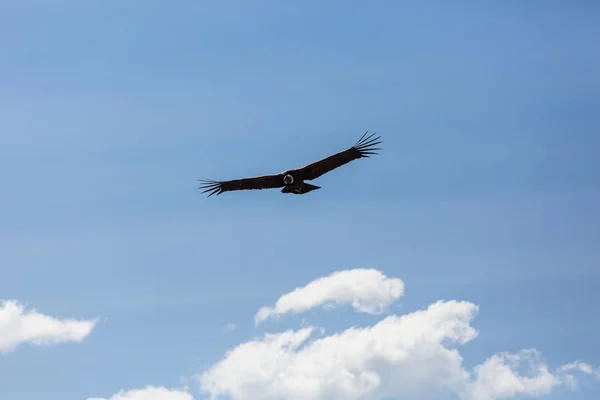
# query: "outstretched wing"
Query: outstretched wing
{"points": [[259, 182], [364, 148]]}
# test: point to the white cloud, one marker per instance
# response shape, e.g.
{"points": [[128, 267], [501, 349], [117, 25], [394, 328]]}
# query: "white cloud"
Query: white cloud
{"points": [[149, 393], [412, 356], [497, 377], [409, 356], [358, 363], [367, 290], [582, 367], [19, 326]]}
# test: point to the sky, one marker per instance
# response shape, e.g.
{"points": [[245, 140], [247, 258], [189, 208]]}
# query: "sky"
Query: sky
{"points": [[462, 262]]}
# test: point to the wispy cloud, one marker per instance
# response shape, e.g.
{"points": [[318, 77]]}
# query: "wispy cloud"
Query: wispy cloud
{"points": [[367, 290], [19, 326], [579, 366]]}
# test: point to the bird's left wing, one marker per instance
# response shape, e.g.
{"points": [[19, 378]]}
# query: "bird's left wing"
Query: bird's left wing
{"points": [[364, 148], [259, 182]]}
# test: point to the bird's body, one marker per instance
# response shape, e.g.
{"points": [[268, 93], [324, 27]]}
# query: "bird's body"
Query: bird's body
{"points": [[292, 181], [298, 186]]}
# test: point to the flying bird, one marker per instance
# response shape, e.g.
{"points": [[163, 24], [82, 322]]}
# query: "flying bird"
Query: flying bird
{"points": [[292, 180]]}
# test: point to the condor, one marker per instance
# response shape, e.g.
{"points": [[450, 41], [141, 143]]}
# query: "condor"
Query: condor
{"points": [[292, 180]]}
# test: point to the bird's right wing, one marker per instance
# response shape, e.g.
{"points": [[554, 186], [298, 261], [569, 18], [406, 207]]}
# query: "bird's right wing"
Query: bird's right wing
{"points": [[259, 182]]}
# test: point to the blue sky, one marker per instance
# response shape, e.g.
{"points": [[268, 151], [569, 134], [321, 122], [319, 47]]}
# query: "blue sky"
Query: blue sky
{"points": [[487, 190]]}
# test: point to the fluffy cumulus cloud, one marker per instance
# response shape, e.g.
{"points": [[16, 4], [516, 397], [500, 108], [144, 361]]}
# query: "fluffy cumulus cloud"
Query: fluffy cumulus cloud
{"points": [[149, 393], [496, 378], [354, 364], [402, 356], [20, 326], [366, 290]]}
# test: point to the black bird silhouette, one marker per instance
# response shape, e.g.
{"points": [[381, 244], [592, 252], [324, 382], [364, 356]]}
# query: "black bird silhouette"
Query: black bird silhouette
{"points": [[292, 180]]}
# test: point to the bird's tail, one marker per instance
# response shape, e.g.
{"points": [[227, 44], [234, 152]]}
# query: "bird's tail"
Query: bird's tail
{"points": [[300, 189], [307, 187]]}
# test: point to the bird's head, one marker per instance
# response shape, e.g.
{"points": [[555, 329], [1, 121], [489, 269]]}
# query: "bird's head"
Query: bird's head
{"points": [[288, 179]]}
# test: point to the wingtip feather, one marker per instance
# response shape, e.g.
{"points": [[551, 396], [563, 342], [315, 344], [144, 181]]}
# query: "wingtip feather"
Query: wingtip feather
{"points": [[210, 186], [366, 145]]}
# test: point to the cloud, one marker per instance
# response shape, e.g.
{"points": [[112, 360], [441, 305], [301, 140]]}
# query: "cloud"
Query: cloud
{"points": [[497, 377], [402, 356], [149, 393], [19, 326], [367, 290], [355, 364], [580, 367], [229, 327]]}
